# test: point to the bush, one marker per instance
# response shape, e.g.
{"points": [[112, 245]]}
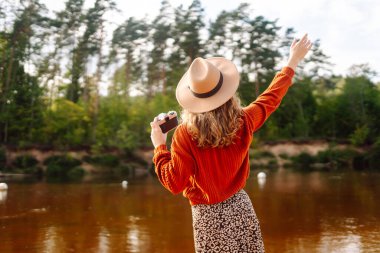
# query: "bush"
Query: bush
{"points": [[54, 170], [284, 156], [103, 160], [33, 170], [272, 164], [76, 173], [341, 158], [303, 160], [124, 170], [373, 157], [262, 154], [360, 135], [25, 161], [3, 157], [60, 166], [64, 161]]}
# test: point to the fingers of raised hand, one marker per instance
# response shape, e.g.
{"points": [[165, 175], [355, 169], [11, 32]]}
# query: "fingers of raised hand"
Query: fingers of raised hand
{"points": [[304, 38], [293, 43], [309, 44]]}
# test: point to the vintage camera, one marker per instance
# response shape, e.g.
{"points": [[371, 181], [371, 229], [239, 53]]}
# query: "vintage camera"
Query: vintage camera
{"points": [[167, 121]]}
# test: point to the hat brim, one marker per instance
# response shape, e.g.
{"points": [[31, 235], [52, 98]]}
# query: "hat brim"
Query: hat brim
{"points": [[198, 105]]}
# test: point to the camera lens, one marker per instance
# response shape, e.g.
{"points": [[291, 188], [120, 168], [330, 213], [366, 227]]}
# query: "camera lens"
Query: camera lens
{"points": [[161, 116]]}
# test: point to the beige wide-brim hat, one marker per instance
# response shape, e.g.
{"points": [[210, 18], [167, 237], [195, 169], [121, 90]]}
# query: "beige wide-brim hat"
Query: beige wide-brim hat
{"points": [[207, 84]]}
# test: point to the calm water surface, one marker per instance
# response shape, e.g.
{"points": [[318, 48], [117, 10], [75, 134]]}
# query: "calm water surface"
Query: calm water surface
{"points": [[313, 212]]}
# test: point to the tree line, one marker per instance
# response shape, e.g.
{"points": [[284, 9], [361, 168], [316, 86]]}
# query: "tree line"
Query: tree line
{"points": [[53, 65]]}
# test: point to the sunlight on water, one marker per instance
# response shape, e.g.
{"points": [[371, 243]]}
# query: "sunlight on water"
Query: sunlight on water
{"points": [[3, 196], [103, 239], [261, 182], [136, 238], [50, 241], [298, 212]]}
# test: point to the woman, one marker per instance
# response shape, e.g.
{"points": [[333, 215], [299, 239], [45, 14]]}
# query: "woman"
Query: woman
{"points": [[208, 160]]}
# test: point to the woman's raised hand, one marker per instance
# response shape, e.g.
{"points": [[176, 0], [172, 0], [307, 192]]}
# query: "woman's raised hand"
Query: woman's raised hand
{"points": [[298, 50]]}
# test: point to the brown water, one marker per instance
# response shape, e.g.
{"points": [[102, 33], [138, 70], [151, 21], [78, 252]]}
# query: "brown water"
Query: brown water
{"points": [[314, 212]]}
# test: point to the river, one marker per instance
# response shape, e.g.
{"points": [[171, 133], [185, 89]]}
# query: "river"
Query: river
{"points": [[298, 212]]}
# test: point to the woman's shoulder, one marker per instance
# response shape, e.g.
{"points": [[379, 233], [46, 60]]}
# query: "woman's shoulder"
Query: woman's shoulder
{"points": [[181, 131], [182, 135]]}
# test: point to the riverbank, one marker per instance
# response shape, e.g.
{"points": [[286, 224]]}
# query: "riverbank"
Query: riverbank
{"points": [[305, 155]]}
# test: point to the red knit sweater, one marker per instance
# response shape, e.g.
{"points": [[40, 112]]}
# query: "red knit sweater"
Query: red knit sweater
{"points": [[211, 175]]}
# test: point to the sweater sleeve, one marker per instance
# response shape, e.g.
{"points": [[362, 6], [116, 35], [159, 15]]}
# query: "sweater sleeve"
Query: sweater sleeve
{"points": [[259, 110], [174, 167]]}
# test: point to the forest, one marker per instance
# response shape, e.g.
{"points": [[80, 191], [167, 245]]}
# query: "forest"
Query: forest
{"points": [[69, 81]]}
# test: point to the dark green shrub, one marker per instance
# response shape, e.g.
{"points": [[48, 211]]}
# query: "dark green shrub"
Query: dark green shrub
{"points": [[373, 157], [76, 173], [340, 157], [33, 170], [359, 162], [262, 154], [272, 164], [303, 160], [284, 156], [56, 171], [3, 158], [25, 161], [131, 156], [103, 160], [59, 166], [125, 169], [64, 161]]}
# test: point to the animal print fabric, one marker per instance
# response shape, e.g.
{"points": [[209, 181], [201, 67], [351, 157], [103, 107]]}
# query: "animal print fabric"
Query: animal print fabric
{"points": [[229, 226]]}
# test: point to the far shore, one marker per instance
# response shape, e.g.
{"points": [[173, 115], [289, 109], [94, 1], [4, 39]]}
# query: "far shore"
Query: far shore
{"points": [[277, 150]]}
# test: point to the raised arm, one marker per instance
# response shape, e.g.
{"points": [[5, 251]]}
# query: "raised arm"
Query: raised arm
{"points": [[259, 110]]}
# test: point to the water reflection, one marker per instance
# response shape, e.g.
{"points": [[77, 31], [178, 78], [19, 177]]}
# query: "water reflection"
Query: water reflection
{"points": [[50, 241], [261, 182], [3, 196], [104, 242], [298, 212]]}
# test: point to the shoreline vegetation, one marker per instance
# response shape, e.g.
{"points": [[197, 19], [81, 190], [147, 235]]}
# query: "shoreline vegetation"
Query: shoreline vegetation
{"points": [[74, 164]]}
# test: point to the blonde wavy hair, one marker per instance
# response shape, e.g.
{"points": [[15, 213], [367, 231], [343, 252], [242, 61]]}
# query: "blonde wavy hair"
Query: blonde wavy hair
{"points": [[216, 128]]}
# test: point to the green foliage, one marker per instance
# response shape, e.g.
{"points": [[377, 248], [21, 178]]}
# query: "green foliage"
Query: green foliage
{"points": [[63, 167], [284, 156], [373, 156], [262, 154], [341, 158], [331, 158], [76, 173], [3, 158], [103, 160], [65, 124], [62, 161], [360, 135], [60, 103], [303, 161], [25, 161], [124, 170]]}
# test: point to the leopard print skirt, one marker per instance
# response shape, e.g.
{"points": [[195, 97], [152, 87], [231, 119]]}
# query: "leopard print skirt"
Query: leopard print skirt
{"points": [[228, 226]]}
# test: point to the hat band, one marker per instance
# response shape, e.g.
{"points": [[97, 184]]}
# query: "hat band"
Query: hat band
{"points": [[211, 92]]}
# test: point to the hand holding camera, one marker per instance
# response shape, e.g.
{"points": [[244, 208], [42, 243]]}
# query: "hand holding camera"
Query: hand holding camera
{"points": [[162, 124], [167, 121]]}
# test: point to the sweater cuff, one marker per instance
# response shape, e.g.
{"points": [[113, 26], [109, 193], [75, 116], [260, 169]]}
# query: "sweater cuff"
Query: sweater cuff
{"points": [[160, 148], [288, 71]]}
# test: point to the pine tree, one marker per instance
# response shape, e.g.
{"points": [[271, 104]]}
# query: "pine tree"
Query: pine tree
{"points": [[125, 45]]}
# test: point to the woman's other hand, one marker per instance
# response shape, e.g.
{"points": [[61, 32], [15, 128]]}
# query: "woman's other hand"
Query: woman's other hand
{"points": [[158, 138], [298, 50]]}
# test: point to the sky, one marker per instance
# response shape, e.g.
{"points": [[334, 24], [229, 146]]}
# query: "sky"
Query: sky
{"points": [[349, 30]]}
